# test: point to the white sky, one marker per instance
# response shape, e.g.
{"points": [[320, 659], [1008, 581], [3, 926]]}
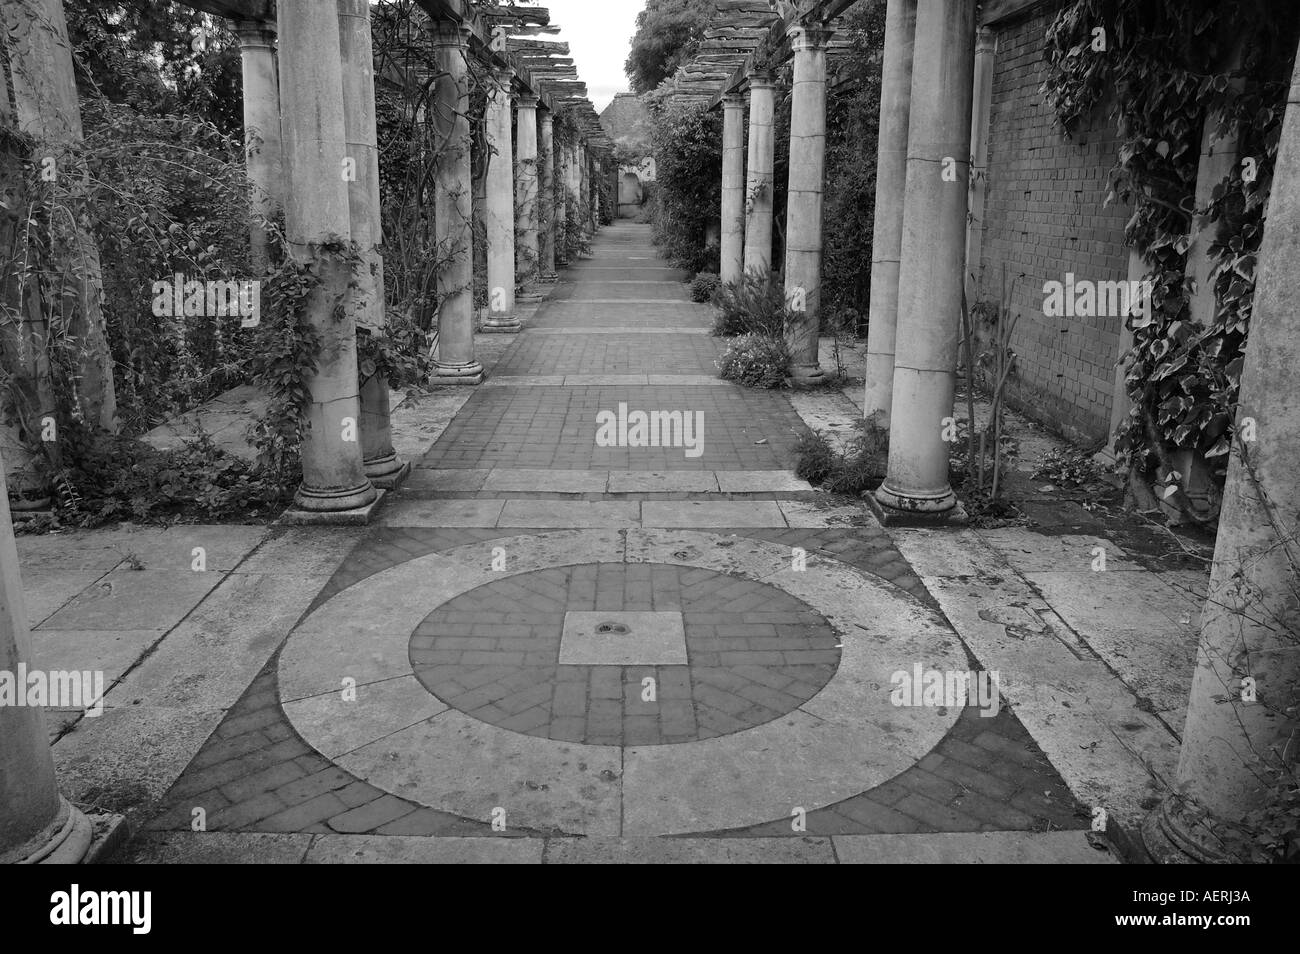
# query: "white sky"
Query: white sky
{"points": [[599, 34]]}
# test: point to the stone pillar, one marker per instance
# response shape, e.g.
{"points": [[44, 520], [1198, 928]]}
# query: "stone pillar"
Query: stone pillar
{"points": [[500, 213], [47, 109], [758, 184], [803, 222], [891, 181], [526, 188], [733, 188], [584, 189], [547, 206], [453, 214], [932, 263], [366, 298], [316, 213], [36, 822], [986, 43], [1250, 621], [263, 152], [561, 204]]}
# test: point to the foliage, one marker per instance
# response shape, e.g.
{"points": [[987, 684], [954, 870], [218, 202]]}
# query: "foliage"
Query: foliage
{"points": [[114, 478], [852, 124], [753, 305], [704, 286], [1168, 69], [688, 193], [1067, 469], [756, 360], [668, 32], [857, 467], [161, 59]]}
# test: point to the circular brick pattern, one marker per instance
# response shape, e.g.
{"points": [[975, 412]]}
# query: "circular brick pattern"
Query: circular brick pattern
{"points": [[754, 653]]}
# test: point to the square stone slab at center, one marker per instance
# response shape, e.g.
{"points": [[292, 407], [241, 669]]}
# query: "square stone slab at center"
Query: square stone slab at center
{"points": [[623, 639]]}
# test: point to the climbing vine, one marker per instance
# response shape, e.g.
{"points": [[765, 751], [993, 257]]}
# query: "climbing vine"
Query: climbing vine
{"points": [[1166, 68]]}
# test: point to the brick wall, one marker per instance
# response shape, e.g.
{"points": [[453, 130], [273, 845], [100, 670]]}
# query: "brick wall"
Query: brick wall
{"points": [[1044, 217]]}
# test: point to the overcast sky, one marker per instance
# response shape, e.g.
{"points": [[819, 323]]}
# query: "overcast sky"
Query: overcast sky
{"points": [[599, 34]]}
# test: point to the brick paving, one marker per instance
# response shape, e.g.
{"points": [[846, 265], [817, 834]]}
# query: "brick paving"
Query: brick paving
{"points": [[754, 652]]}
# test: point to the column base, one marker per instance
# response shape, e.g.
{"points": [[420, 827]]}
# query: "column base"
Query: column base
{"points": [[388, 471], [548, 278], [501, 325], [316, 500], [894, 508], [67, 840], [298, 516], [807, 376], [1180, 832], [471, 373]]}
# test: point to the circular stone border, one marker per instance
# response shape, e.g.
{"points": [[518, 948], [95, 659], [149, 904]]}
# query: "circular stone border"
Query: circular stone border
{"points": [[845, 740]]}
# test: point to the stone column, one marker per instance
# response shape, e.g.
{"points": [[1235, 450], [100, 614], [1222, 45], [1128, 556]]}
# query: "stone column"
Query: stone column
{"points": [[547, 206], [500, 212], [1120, 405], [453, 214], [803, 222], [891, 181], [583, 169], [733, 188], [263, 152], [758, 184], [526, 188], [316, 214], [1249, 625], [932, 263], [47, 109], [986, 43], [36, 822], [366, 299], [561, 204]]}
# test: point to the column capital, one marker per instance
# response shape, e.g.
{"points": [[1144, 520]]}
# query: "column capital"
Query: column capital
{"points": [[449, 34], [733, 101], [546, 117], [805, 38], [255, 34], [761, 81], [526, 101]]}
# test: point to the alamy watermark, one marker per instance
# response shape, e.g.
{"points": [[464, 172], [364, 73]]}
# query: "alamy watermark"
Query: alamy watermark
{"points": [[178, 298], [684, 429], [53, 688], [950, 688], [1084, 298]]}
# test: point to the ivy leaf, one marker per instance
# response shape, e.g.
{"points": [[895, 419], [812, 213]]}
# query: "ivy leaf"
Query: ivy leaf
{"points": [[1220, 448], [1162, 148]]}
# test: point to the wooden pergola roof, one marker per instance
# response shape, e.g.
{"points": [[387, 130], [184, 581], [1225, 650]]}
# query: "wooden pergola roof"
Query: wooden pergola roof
{"points": [[741, 32], [500, 35]]}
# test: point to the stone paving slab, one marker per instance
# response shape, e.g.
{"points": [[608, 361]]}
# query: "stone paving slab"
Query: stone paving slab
{"points": [[134, 600], [978, 848]]}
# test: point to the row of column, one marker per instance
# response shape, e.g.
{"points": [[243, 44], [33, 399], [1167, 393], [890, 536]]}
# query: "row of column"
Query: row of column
{"points": [[1241, 718], [747, 193], [328, 145]]}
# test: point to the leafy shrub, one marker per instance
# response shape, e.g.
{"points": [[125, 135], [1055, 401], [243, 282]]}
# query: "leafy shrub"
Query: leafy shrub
{"points": [[858, 467], [704, 286], [753, 305], [760, 361]]}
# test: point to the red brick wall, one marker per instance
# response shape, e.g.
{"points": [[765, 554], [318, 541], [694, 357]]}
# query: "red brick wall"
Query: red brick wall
{"points": [[1044, 217]]}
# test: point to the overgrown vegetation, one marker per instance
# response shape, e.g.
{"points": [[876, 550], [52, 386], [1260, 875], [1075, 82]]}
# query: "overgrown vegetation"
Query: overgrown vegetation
{"points": [[687, 144], [704, 286], [1165, 68], [668, 32], [756, 360], [857, 467], [753, 305]]}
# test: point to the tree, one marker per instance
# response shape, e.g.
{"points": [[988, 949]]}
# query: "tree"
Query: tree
{"points": [[668, 32]]}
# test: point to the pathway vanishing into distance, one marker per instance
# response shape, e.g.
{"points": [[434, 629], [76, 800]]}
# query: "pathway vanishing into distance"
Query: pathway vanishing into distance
{"points": [[552, 636]]}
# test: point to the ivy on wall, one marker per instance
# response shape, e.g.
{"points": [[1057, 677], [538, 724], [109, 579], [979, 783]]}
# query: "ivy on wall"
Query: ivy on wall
{"points": [[1164, 66]]}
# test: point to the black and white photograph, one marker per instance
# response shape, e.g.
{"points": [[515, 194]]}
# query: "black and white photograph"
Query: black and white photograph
{"points": [[449, 432]]}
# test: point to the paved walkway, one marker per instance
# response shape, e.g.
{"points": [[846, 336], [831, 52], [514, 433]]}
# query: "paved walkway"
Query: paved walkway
{"points": [[552, 649]]}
